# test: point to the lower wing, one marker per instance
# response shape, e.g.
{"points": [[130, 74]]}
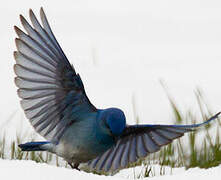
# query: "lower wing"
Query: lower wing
{"points": [[137, 142]]}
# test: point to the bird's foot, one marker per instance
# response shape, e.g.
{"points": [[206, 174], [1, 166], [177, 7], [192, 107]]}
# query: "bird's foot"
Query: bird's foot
{"points": [[75, 166]]}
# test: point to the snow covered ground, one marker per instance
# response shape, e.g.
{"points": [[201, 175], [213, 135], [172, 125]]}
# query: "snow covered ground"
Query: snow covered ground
{"points": [[27, 170], [121, 47]]}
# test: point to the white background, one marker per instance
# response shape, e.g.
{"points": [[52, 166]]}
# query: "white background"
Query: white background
{"points": [[121, 47]]}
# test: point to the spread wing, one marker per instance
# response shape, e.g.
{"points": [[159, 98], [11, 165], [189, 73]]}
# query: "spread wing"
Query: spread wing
{"points": [[137, 142], [53, 95]]}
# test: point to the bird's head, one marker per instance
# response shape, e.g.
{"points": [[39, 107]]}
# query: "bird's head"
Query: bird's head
{"points": [[115, 121]]}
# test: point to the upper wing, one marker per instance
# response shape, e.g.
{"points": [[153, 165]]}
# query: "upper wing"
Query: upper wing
{"points": [[137, 142], [53, 95]]}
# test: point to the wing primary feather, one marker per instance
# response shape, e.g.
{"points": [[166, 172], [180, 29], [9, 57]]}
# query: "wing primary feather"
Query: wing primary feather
{"points": [[18, 66], [53, 105], [152, 138], [132, 154], [33, 42], [33, 94], [43, 33], [38, 113], [52, 126], [49, 115], [129, 148], [51, 83], [117, 159], [124, 159], [94, 162], [141, 151], [176, 130], [160, 140], [20, 70], [37, 104], [36, 38], [144, 145], [151, 146], [51, 118], [166, 137], [23, 59], [50, 33], [102, 160], [105, 165], [63, 117], [108, 163], [170, 135], [24, 48]]}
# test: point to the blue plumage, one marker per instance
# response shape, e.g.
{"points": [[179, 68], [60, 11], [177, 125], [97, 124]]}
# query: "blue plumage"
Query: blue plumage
{"points": [[55, 102], [115, 120], [35, 146]]}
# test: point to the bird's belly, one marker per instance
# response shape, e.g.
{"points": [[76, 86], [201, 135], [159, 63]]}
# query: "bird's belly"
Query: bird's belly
{"points": [[75, 153], [80, 143]]}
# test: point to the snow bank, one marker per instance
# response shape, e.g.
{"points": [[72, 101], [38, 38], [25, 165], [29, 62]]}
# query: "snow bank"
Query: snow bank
{"points": [[26, 170], [194, 174]]}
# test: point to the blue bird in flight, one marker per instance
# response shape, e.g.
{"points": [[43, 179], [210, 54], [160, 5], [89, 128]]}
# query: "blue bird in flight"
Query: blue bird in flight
{"points": [[55, 102]]}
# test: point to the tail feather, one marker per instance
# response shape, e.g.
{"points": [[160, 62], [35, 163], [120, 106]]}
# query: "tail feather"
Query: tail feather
{"points": [[34, 146]]}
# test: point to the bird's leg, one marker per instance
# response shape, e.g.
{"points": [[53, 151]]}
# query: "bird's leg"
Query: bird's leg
{"points": [[71, 165], [75, 166]]}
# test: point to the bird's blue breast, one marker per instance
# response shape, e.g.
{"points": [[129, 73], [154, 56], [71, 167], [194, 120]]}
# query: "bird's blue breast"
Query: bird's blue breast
{"points": [[103, 135], [86, 138]]}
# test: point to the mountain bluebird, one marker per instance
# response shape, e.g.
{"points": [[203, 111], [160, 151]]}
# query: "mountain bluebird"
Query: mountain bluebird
{"points": [[55, 102]]}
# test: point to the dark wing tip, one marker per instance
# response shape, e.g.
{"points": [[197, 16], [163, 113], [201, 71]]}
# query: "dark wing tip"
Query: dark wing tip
{"points": [[217, 114], [15, 67], [17, 41], [24, 22], [16, 81], [18, 30], [212, 118], [42, 13], [41, 10], [21, 17], [15, 54], [31, 13], [15, 28]]}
